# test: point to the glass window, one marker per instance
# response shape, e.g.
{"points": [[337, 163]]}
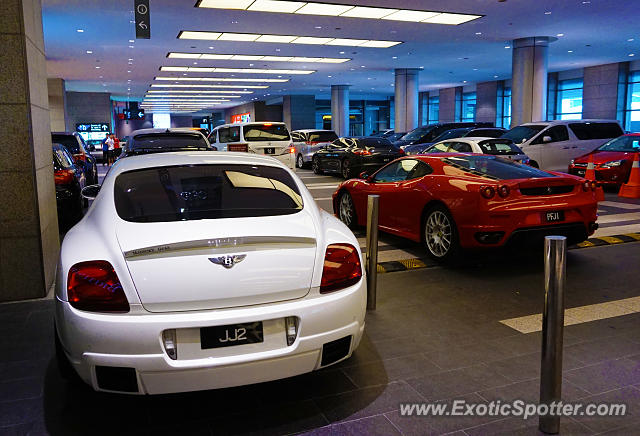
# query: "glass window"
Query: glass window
{"points": [[623, 143], [584, 131], [61, 158], [397, 171], [521, 134], [569, 100], [461, 147], [556, 133], [183, 193], [632, 109], [468, 112], [167, 142], [322, 136], [229, 134], [503, 118], [266, 132], [499, 147], [69, 141], [493, 167]]}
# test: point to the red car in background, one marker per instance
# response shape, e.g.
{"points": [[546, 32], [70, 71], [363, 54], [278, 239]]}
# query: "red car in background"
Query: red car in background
{"points": [[451, 201], [612, 160]]}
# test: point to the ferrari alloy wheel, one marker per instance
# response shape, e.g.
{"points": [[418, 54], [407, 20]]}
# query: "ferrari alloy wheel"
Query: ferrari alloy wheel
{"points": [[440, 234], [345, 169], [299, 161], [347, 210], [315, 164]]}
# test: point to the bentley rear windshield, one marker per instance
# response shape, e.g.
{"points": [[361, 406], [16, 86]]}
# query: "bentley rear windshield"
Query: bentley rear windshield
{"points": [[494, 167], [194, 192]]}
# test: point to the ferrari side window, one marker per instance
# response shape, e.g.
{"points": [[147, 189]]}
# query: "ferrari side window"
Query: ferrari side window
{"points": [[396, 172]]}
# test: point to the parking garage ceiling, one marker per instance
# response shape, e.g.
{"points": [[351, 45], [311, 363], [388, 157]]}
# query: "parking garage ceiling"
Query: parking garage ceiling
{"points": [[92, 45]]}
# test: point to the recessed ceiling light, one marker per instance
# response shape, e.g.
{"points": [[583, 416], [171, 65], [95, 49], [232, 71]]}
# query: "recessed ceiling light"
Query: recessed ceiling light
{"points": [[548, 13], [130, 46], [464, 81], [97, 67], [394, 57], [632, 54], [560, 34], [131, 41], [495, 77], [478, 33], [89, 52], [569, 51], [630, 40], [507, 46], [80, 30]]}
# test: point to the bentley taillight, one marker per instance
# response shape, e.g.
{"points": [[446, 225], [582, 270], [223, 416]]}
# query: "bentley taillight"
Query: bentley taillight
{"points": [[341, 268], [94, 286]]}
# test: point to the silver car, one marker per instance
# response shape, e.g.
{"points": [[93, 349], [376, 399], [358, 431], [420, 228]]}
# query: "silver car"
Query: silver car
{"points": [[307, 142], [497, 146]]}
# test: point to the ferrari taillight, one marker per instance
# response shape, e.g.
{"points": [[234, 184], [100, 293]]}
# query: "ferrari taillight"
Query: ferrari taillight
{"points": [[488, 192], [94, 286], [503, 191], [341, 268]]}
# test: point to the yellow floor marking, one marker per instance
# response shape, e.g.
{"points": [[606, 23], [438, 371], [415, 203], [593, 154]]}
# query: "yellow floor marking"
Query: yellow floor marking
{"points": [[611, 239], [586, 244], [635, 236], [578, 315]]}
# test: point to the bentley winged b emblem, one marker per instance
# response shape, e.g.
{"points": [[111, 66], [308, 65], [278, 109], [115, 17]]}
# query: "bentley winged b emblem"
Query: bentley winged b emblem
{"points": [[228, 261]]}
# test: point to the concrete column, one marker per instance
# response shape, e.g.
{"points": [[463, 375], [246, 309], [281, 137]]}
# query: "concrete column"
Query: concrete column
{"points": [[57, 104], [486, 102], [449, 108], [29, 241], [299, 111], [340, 109], [600, 91], [406, 99], [529, 79]]}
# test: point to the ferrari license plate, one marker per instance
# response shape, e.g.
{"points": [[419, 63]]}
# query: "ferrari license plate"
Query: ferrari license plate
{"points": [[554, 216], [230, 335], [270, 150]]}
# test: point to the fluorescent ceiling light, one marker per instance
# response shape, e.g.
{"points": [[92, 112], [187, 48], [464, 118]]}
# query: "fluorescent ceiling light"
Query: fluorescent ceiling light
{"points": [[242, 37], [237, 70], [179, 91], [163, 85], [347, 41], [367, 12], [275, 6], [323, 9], [291, 39], [415, 16], [284, 39], [197, 96], [379, 44], [185, 34], [335, 10], [241, 57], [225, 4], [453, 19], [311, 40], [221, 79]]}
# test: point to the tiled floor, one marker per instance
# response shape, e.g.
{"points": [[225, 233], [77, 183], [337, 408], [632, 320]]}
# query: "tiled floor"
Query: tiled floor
{"points": [[436, 336]]}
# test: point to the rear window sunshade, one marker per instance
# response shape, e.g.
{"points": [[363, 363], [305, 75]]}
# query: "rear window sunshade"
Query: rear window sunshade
{"points": [[193, 192]]}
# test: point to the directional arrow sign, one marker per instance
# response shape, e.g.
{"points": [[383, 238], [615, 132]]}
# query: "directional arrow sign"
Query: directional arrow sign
{"points": [[143, 23]]}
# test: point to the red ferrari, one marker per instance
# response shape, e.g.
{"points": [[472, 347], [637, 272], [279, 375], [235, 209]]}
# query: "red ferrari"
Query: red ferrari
{"points": [[612, 160], [452, 201]]}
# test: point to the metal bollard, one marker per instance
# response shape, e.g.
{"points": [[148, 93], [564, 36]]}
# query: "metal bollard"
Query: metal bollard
{"points": [[373, 203], [555, 251]]}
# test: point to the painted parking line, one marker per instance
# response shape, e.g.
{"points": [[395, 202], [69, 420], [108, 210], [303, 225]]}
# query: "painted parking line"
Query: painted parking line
{"points": [[619, 217], [619, 205], [322, 186], [578, 315], [323, 198]]}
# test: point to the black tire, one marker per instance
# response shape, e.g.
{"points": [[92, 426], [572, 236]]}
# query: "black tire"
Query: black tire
{"points": [[315, 164], [534, 164], [299, 161], [440, 234], [347, 210], [345, 169]]}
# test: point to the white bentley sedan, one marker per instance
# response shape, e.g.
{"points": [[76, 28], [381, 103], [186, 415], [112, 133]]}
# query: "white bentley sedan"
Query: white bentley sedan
{"points": [[201, 270]]}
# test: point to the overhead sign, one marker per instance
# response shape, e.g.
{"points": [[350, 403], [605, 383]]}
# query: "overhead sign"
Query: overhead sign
{"points": [[241, 118], [88, 127], [143, 23], [133, 115]]}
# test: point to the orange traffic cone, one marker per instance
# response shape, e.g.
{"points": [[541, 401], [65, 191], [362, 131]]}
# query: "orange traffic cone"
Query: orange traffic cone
{"points": [[590, 174], [631, 189]]}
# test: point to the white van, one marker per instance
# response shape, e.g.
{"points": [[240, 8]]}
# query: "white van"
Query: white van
{"points": [[271, 138], [552, 144]]}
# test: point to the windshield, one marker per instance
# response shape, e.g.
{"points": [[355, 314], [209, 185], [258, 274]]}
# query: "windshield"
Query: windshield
{"points": [[455, 133], [494, 167], [623, 143], [437, 148], [69, 141], [194, 192], [158, 142], [266, 132], [322, 136], [499, 147], [416, 134], [521, 134]]}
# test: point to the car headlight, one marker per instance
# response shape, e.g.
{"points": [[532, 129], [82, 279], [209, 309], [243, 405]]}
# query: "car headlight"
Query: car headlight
{"points": [[572, 162], [612, 164]]}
